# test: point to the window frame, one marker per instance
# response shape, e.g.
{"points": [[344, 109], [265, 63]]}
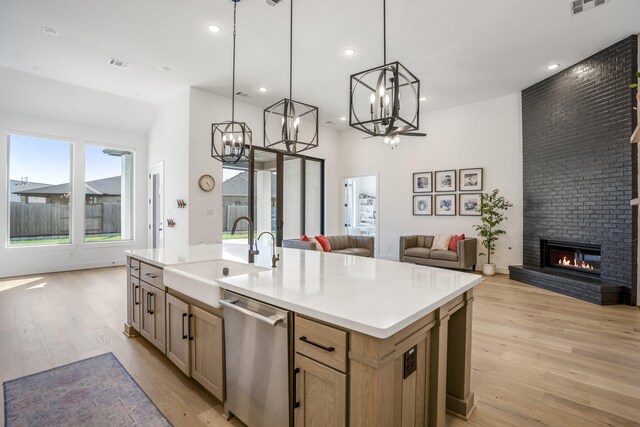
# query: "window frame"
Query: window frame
{"points": [[72, 147]]}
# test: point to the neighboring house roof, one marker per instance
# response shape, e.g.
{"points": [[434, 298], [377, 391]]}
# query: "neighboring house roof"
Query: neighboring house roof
{"points": [[17, 185], [239, 185], [99, 187]]}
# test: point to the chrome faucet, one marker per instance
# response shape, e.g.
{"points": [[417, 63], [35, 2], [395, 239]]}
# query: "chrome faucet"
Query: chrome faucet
{"points": [[252, 251], [274, 258]]}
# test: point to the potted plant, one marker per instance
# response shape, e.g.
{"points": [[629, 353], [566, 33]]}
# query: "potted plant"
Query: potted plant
{"points": [[492, 212]]}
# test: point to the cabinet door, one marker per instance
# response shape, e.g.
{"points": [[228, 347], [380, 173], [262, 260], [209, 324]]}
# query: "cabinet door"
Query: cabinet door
{"points": [[207, 351], [152, 319], [135, 293], [321, 393], [177, 316]]}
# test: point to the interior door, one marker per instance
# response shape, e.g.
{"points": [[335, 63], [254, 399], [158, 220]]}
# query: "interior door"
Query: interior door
{"points": [[156, 208]]}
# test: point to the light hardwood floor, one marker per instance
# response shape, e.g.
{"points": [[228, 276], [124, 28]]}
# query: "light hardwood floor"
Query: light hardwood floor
{"points": [[538, 358]]}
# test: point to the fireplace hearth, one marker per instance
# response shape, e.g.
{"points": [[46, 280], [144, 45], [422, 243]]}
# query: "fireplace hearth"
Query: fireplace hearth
{"points": [[571, 257]]}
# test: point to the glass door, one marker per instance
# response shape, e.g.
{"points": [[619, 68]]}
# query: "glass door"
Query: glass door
{"points": [[287, 195]]}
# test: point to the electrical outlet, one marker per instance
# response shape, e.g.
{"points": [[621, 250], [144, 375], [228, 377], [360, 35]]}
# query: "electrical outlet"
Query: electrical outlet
{"points": [[410, 361]]}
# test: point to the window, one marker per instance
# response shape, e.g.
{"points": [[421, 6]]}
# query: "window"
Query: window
{"points": [[39, 190], [235, 201], [108, 195]]}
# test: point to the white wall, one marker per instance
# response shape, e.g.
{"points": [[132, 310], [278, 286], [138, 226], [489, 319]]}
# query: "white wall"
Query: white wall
{"points": [[169, 144], [32, 260], [205, 209], [485, 134]]}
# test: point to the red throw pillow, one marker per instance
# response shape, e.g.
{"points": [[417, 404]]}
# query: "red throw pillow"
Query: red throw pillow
{"points": [[304, 238], [326, 246], [453, 243]]}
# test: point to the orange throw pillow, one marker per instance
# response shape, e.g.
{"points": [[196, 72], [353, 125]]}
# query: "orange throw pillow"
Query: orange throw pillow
{"points": [[304, 238], [326, 246], [453, 243]]}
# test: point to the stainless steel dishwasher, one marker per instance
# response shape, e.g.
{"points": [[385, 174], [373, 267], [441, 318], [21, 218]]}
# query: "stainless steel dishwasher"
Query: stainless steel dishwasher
{"points": [[258, 351]]}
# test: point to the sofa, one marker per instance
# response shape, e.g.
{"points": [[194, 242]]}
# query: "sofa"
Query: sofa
{"points": [[350, 245], [417, 249]]}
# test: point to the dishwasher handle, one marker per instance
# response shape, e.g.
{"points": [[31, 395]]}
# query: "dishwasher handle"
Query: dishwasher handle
{"points": [[271, 320]]}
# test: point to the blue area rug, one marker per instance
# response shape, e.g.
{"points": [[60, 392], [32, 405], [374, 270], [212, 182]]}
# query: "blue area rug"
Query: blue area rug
{"points": [[95, 391]]}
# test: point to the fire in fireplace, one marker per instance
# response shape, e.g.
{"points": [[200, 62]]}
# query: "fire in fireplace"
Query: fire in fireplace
{"points": [[574, 257]]}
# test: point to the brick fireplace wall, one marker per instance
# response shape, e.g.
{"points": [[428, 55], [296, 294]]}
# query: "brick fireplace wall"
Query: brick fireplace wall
{"points": [[579, 168]]}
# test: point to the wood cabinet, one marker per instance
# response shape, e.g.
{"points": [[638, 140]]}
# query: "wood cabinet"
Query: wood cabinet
{"points": [[321, 394], [320, 374], [194, 343], [152, 318]]}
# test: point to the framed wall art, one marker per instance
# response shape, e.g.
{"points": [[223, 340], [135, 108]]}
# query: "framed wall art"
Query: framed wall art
{"points": [[423, 182], [445, 181], [469, 204], [445, 204], [422, 205], [471, 179]]}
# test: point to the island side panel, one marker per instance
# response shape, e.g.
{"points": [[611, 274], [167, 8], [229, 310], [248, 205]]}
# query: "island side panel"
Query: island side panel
{"points": [[379, 393]]}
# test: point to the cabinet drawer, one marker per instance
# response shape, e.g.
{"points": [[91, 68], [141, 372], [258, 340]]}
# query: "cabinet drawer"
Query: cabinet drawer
{"points": [[151, 275], [134, 267], [320, 342]]}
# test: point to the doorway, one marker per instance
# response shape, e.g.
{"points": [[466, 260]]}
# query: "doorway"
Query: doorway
{"points": [[361, 206], [287, 195], [156, 208]]}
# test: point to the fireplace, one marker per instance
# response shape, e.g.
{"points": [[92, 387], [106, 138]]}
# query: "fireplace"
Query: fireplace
{"points": [[573, 257]]}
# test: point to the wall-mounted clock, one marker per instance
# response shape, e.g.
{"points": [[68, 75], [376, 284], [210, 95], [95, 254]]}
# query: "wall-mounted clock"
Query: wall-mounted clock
{"points": [[206, 182]]}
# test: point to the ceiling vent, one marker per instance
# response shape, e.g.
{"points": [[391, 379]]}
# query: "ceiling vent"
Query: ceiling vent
{"points": [[242, 94], [578, 6], [119, 63]]}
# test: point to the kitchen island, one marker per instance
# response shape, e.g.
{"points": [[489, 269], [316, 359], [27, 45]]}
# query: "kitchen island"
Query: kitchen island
{"points": [[373, 342]]}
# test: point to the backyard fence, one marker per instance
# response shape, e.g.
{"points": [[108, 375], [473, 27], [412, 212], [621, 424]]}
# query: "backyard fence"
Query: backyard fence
{"points": [[230, 213], [52, 219]]}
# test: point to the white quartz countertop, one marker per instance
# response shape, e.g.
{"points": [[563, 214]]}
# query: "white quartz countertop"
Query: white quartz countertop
{"points": [[372, 296]]}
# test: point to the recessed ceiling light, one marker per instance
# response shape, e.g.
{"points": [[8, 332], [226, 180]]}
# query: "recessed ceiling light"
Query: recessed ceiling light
{"points": [[349, 52], [552, 66], [343, 119], [49, 31], [213, 28], [164, 68], [423, 98], [262, 89]]}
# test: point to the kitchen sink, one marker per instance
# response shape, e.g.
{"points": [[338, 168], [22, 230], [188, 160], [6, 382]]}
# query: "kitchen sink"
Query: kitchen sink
{"points": [[198, 279]]}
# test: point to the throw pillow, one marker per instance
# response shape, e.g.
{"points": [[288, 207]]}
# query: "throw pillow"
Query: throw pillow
{"points": [[316, 244], [441, 241], [453, 244], [326, 246], [304, 238]]}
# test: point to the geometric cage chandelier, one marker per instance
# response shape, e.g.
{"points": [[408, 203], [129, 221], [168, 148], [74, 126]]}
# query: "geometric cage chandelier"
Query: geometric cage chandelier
{"points": [[385, 101], [231, 140], [291, 126]]}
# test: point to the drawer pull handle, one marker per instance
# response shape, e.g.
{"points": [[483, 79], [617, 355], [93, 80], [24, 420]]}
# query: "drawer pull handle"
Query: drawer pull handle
{"points": [[304, 339], [133, 267], [153, 276], [149, 295], [136, 301]]}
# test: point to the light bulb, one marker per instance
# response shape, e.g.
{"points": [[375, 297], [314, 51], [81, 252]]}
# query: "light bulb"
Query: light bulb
{"points": [[296, 122], [381, 89], [372, 98], [239, 138], [386, 100]]}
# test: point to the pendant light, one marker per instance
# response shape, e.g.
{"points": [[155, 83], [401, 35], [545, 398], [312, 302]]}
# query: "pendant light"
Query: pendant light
{"points": [[231, 140], [291, 126], [377, 95]]}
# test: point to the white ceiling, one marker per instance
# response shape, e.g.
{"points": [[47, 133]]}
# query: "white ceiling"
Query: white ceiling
{"points": [[463, 51]]}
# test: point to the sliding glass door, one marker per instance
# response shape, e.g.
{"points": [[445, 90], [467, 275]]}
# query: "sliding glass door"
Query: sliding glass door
{"points": [[287, 194]]}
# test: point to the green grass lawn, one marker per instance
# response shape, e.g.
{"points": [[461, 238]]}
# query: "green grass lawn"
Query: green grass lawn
{"points": [[20, 242]]}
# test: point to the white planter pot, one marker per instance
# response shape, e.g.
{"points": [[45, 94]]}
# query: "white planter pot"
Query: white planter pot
{"points": [[488, 269]]}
